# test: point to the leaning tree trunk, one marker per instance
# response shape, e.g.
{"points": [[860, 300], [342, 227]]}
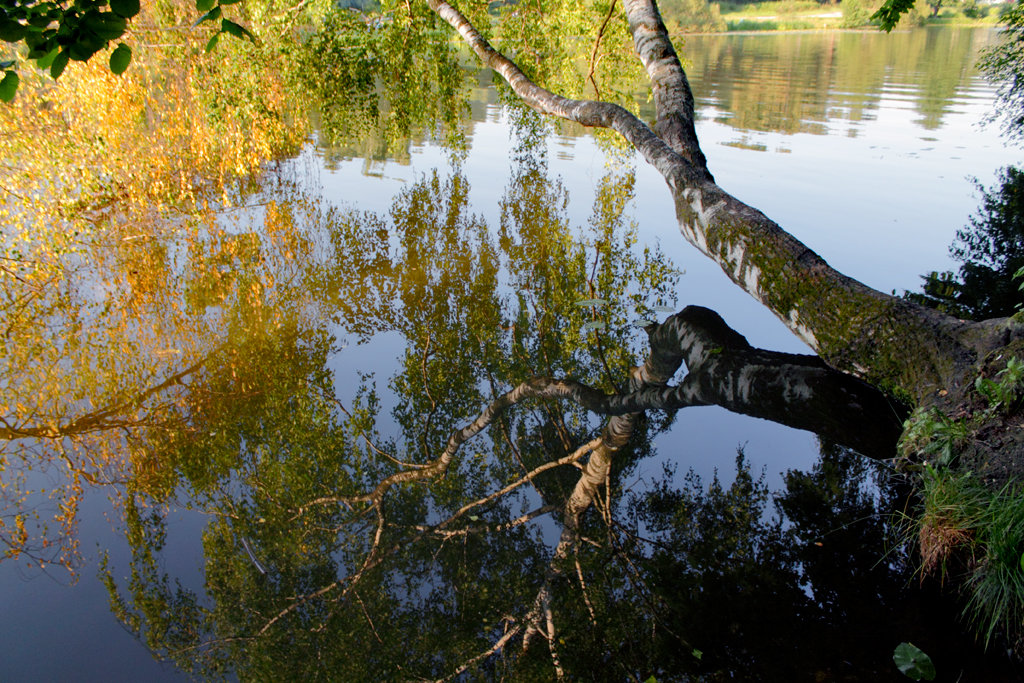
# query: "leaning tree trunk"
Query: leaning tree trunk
{"points": [[917, 353]]}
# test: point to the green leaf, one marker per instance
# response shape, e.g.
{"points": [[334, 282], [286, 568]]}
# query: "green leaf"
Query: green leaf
{"points": [[120, 58], [474, 518], [11, 31], [41, 20], [592, 302], [229, 2], [913, 663], [595, 325], [86, 47], [46, 60], [58, 64], [205, 5], [237, 30], [888, 15], [213, 42], [125, 8], [209, 16], [698, 653], [107, 25], [8, 86]]}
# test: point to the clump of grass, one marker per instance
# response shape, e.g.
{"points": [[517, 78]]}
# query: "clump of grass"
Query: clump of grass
{"points": [[996, 586], [953, 511], [981, 533]]}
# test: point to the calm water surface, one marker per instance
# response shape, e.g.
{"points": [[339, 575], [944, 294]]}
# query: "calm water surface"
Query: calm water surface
{"points": [[860, 144]]}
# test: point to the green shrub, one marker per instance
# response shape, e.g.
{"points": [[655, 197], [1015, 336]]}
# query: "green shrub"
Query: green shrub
{"points": [[691, 16], [972, 10], [856, 13]]}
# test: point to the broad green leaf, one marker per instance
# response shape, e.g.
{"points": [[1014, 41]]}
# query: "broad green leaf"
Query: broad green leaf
{"points": [[888, 15], [213, 42], [108, 26], [913, 662], [209, 16], [11, 31], [58, 64], [40, 20], [8, 86], [699, 654], [120, 58], [125, 8], [46, 60], [592, 302], [595, 325], [237, 30], [205, 6], [86, 47]]}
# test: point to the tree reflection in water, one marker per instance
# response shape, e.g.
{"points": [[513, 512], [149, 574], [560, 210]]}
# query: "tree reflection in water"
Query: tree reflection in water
{"points": [[344, 546]]}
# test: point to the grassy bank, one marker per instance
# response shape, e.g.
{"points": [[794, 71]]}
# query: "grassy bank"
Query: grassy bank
{"points": [[969, 526]]}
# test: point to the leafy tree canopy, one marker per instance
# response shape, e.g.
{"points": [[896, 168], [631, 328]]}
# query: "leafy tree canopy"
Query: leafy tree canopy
{"points": [[54, 33], [1004, 65]]}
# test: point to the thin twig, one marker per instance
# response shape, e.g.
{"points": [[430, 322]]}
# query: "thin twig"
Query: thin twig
{"points": [[508, 635], [597, 43]]}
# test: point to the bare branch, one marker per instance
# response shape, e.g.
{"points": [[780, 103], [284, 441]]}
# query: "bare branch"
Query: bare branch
{"points": [[371, 561], [584, 112], [508, 635], [483, 528], [594, 59], [372, 446], [583, 587]]}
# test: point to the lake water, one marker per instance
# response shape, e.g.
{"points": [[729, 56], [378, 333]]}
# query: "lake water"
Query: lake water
{"points": [[860, 144]]}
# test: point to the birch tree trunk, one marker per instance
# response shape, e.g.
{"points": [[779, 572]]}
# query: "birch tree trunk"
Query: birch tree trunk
{"points": [[917, 354], [895, 344]]}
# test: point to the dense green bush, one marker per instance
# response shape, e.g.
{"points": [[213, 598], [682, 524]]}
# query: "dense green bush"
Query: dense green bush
{"points": [[691, 16], [856, 12]]}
